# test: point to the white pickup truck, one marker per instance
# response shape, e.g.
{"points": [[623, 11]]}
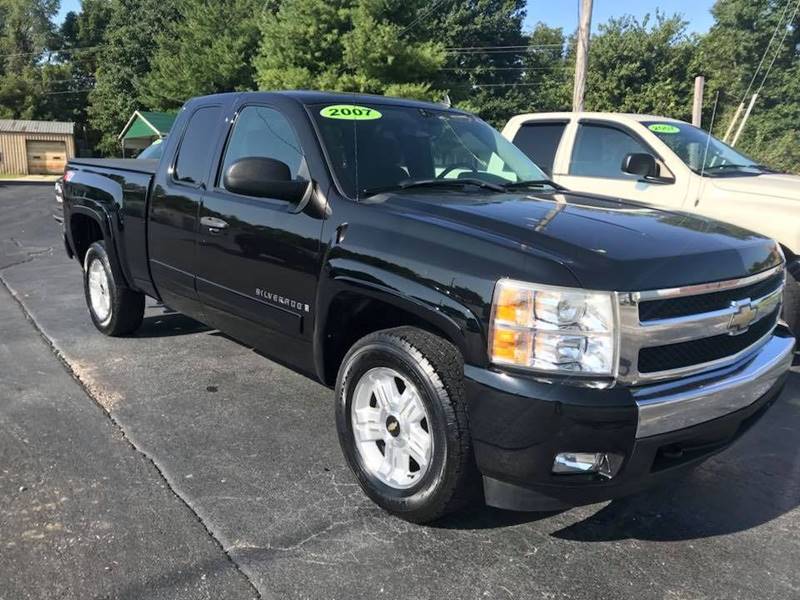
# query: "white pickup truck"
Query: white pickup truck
{"points": [[669, 163]]}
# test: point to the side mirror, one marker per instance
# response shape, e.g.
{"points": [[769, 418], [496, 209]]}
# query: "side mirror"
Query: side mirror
{"points": [[265, 178], [641, 164]]}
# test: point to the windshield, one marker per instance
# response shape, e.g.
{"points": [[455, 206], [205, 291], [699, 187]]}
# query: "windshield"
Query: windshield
{"points": [[689, 143], [374, 147], [154, 150]]}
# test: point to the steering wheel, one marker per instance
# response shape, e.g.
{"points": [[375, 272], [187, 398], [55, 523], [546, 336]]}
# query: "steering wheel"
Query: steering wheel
{"points": [[452, 168]]}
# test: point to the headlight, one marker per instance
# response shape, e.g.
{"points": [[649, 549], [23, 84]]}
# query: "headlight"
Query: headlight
{"points": [[553, 329]]}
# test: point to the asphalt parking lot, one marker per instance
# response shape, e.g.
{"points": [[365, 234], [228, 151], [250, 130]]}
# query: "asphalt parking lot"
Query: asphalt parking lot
{"points": [[177, 463]]}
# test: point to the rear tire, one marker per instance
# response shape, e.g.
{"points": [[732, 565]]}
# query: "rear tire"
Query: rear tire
{"points": [[410, 445], [115, 309], [791, 304]]}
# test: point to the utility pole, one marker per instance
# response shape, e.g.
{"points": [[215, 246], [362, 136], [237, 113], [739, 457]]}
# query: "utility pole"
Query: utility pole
{"points": [[733, 122], [697, 105], [582, 55], [744, 119]]}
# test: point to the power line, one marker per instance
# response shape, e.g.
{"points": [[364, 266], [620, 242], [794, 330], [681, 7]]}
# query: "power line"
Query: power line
{"points": [[420, 17], [488, 85], [489, 68], [766, 50], [524, 46], [778, 49], [53, 51], [501, 51], [68, 92]]}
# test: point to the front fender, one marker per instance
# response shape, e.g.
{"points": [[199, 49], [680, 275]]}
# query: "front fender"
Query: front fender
{"points": [[428, 302]]}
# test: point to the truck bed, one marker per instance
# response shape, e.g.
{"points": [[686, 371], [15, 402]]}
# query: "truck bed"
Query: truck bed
{"points": [[133, 165]]}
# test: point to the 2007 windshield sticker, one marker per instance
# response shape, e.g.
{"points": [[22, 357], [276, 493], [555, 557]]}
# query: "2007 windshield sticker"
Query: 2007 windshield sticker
{"points": [[350, 112], [663, 128]]}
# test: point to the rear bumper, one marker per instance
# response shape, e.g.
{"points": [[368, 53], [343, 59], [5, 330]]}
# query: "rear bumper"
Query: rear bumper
{"points": [[519, 425]]}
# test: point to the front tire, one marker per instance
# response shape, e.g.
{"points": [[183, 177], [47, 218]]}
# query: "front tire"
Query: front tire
{"points": [[115, 309], [402, 423]]}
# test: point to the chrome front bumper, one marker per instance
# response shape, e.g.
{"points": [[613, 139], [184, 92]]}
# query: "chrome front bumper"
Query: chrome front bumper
{"points": [[692, 400]]}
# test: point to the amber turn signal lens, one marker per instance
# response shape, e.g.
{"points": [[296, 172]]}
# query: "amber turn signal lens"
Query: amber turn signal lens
{"points": [[511, 346], [514, 306]]}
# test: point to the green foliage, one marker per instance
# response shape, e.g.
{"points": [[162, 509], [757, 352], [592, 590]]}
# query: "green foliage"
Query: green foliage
{"points": [[348, 45], [124, 63], [212, 53], [635, 67], [729, 54], [26, 30], [154, 54]]}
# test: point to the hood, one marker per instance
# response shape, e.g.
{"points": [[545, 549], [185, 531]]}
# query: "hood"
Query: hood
{"points": [[775, 185], [608, 244]]}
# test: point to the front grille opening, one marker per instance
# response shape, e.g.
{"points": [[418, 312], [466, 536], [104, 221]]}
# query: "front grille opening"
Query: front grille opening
{"points": [[675, 454], [695, 352], [670, 308]]}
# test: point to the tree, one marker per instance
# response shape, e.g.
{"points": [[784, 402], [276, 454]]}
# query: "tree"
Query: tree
{"points": [[729, 56], [486, 54], [348, 45], [124, 63], [635, 67], [212, 52], [26, 31], [68, 75]]}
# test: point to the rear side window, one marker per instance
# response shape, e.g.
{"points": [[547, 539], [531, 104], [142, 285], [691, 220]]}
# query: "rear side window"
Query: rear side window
{"points": [[600, 150], [194, 154], [539, 141]]}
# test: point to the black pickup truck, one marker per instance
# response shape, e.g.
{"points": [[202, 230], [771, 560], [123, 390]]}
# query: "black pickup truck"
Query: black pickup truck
{"points": [[489, 334]]}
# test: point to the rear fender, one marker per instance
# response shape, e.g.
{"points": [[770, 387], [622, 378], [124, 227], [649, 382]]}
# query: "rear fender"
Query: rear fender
{"points": [[100, 198]]}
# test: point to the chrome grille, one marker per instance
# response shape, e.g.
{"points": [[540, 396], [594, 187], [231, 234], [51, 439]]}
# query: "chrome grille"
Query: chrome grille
{"points": [[680, 331]]}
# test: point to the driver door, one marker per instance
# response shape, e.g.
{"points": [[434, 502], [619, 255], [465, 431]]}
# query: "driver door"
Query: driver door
{"points": [[595, 167], [257, 259]]}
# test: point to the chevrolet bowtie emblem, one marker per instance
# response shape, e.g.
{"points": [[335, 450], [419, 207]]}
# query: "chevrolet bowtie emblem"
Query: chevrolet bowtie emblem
{"points": [[743, 317]]}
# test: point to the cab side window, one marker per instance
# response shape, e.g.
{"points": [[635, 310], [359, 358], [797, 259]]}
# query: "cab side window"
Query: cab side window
{"points": [[264, 132], [539, 142], [599, 151], [194, 154]]}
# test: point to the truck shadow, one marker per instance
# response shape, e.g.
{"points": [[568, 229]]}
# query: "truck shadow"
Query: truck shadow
{"points": [[168, 324], [752, 483]]}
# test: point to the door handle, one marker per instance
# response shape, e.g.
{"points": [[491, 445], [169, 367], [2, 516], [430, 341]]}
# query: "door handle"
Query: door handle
{"points": [[214, 224]]}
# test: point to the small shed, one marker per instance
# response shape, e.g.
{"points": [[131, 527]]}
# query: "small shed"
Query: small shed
{"points": [[143, 128], [35, 147]]}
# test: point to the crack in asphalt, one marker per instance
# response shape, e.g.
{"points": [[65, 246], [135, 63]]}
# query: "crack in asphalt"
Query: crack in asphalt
{"points": [[75, 376]]}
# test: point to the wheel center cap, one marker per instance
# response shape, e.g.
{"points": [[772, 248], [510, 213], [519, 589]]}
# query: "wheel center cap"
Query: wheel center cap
{"points": [[393, 426]]}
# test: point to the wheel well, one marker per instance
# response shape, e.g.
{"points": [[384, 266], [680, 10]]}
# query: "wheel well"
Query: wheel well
{"points": [[792, 261], [351, 316], [85, 231]]}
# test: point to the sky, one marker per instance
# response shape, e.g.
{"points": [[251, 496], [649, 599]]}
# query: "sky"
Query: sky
{"points": [[564, 13]]}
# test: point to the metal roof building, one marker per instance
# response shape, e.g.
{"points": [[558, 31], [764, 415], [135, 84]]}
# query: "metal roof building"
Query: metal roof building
{"points": [[35, 147], [143, 128]]}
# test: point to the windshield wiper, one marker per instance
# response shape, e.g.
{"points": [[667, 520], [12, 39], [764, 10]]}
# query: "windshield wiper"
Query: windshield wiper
{"points": [[404, 185], [534, 183], [732, 166]]}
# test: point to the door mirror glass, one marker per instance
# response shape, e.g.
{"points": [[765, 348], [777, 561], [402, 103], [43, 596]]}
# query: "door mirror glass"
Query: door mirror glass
{"points": [[640, 164], [264, 178]]}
